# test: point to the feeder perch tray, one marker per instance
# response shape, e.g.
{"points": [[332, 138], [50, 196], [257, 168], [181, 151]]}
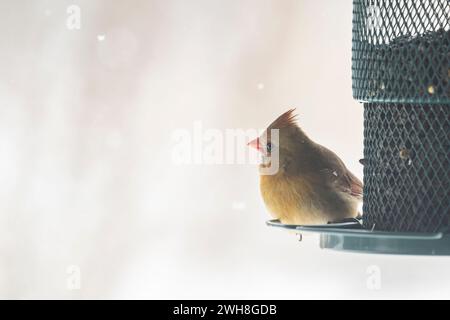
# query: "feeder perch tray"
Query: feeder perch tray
{"points": [[351, 236]]}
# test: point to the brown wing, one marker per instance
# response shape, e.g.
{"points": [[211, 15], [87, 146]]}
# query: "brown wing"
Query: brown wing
{"points": [[334, 171], [354, 185]]}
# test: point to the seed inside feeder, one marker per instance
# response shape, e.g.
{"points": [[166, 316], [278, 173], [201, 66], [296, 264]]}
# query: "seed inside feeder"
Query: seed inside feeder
{"points": [[404, 154], [392, 68]]}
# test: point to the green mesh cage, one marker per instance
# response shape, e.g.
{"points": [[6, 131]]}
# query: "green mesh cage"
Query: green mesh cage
{"points": [[406, 176], [401, 70], [401, 51]]}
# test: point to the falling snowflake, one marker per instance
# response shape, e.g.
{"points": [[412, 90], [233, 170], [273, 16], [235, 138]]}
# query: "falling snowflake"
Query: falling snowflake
{"points": [[238, 205]]}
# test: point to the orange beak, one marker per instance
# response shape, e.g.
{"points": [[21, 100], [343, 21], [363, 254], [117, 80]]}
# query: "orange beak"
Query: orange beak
{"points": [[255, 144]]}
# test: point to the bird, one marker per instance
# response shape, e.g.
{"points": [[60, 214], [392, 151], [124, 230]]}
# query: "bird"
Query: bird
{"points": [[312, 185]]}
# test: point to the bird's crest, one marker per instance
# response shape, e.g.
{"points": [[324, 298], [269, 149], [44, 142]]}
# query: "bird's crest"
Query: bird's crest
{"points": [[287, 119]]}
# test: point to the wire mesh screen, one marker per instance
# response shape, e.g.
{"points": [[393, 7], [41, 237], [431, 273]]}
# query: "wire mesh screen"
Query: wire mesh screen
{"points": [[406, 172], [401, 51], [401, 69]]}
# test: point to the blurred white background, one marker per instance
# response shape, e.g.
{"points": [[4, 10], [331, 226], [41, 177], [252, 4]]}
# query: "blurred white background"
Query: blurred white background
{"points": [[87, 179]]}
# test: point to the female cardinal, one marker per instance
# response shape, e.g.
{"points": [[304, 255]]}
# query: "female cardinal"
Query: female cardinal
{"points": [[312, 185]]}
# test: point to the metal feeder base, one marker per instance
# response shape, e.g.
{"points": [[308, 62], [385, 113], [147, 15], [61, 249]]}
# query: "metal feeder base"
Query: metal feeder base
{"points": [[351, 236]]}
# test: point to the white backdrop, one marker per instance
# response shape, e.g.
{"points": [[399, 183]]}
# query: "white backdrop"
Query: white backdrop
{"points": [[92, 205]]}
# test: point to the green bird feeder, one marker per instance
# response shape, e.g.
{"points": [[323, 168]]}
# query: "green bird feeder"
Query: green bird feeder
{"points": [[401, 74]]}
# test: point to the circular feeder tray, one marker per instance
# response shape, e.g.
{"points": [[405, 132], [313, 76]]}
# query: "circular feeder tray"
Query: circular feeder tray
{"points": [[350, 235]]}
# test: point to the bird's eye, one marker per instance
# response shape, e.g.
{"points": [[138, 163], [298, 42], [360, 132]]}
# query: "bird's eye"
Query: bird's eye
{"points": [[269, 147]]}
